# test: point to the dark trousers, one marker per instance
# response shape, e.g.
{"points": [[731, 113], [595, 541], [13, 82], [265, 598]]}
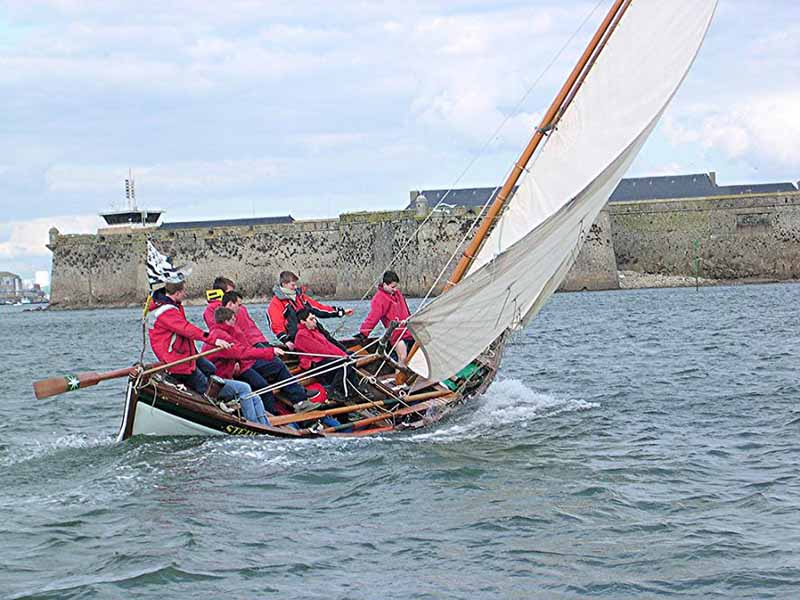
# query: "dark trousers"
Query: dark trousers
{"points": [[336, 377], [274, 371], [196, 380], [206, 366]]}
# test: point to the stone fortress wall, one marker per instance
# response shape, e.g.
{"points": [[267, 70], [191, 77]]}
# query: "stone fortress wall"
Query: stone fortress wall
{"points": [[745, 237]]}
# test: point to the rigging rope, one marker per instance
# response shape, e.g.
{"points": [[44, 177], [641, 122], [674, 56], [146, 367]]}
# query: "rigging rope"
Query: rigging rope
{"points": [[311, 373]]}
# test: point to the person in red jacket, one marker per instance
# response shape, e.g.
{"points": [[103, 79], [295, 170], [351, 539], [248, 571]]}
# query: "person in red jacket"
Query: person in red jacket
{"points": [[172, 338], [287, 299], [257, 366], [322, 351], [244, 321], [388, 304]]}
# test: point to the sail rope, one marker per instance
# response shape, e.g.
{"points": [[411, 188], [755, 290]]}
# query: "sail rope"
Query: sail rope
{"points": [[321, 370], [495, 135]]}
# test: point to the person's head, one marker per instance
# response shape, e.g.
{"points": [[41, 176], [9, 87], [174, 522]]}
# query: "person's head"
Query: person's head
{"points": [[390, 281], [306, 317], [224, 284], [224, 316], [232, 300], [288, 280], [176, 291]]}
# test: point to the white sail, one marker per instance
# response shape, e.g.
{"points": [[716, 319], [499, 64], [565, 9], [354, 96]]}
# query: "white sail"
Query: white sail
{"points": [[537, 238]]}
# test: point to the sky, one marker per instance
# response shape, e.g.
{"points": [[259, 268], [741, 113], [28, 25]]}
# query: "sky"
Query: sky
{"points": [[250, 107]]}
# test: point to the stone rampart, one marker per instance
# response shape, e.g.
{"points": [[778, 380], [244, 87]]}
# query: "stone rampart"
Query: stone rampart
{"points": [[755, 237], [109, 270], [339, 258], [369, 241], [596, 265], [743, 238]]}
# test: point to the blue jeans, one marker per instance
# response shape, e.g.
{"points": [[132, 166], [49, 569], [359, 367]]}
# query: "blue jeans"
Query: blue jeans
{"points": [[274, 371], [252, 408], [257, 382]]}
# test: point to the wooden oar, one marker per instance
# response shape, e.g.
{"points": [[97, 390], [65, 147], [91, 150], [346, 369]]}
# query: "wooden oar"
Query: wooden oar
{"points": [[69, 383], [376, 419], [342, 410]]}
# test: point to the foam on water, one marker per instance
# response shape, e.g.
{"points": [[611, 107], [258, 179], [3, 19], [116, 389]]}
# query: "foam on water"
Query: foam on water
{"points": [[38, 449], [506, 402]]}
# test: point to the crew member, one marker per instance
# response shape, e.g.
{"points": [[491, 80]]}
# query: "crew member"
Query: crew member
{"points": [[172, 338], [322, 351], [287, 299], [244, 321], [259, 366], [388, 304]]}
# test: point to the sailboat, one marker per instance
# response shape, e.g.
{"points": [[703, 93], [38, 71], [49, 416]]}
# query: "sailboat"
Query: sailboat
{"points": [[525, 244]]}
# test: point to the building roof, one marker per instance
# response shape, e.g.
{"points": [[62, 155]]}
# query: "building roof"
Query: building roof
{"points": [[757, 188], [132, 217], [695, 185], [9, 274], [229, 223], [462, 197]]}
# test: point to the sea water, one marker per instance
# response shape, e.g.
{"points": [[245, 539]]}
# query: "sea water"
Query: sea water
{"points": [[637, 444]]}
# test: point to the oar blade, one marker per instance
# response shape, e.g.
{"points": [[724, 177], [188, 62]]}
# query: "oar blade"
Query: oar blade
{"points": [[59, 385]]}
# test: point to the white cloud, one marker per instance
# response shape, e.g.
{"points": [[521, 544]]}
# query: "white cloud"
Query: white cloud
{"points": [[27, 239], [761, 128]]}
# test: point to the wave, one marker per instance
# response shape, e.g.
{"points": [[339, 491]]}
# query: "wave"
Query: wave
{"points": [[507, 402], [37, 449]]}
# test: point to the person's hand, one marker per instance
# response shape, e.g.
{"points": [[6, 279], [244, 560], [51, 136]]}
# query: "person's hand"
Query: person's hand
{"points": [[279, 351], [348, 311], [222, 344], [290, 345]]}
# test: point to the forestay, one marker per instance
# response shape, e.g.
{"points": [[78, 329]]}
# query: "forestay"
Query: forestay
{"points": [[538, 237]]}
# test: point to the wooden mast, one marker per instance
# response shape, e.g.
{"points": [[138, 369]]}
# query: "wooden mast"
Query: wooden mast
{"points": [[548, 122]]}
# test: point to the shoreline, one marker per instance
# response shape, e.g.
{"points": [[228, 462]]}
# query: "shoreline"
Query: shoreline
{"points": [[629, 280]]}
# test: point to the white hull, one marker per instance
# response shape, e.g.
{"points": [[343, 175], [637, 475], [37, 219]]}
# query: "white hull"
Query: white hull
{"points": [[149, 420], [152, 421]]}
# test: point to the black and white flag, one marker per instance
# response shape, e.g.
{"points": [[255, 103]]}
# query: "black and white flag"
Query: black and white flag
{"points": [[160, 269]]}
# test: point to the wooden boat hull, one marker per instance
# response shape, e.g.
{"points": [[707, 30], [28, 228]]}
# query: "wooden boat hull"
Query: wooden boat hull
{"points": [[160, 407]]}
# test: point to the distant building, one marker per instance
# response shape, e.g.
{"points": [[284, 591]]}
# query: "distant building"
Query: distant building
{"points": [[131, 217], [10, 286], [668, 187]]}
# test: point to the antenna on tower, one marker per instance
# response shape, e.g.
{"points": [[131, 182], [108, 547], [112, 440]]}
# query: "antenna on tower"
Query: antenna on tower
{"points": [[130, 190]]}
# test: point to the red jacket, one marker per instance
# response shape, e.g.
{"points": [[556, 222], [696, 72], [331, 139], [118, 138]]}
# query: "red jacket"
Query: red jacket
{"points": [[282, 312], [243, 322], [172, 337], [208, 313], [241, 352], [314, 342], [386, 307]]}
